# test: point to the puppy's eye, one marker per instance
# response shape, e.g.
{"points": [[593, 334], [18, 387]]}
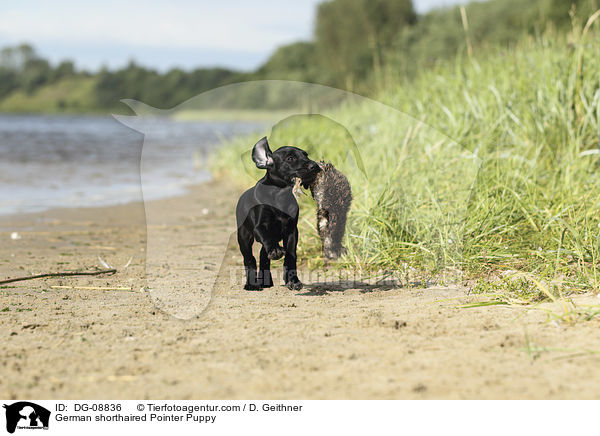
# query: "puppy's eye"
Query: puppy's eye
{"points": [[291, 159]]}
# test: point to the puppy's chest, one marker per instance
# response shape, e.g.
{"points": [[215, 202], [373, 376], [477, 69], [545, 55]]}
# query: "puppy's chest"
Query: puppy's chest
{"points": [[282, 208], [286, 212]]}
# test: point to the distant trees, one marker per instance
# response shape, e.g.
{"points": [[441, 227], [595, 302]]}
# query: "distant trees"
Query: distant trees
{"points": [[360, 45], [366, 45], [351, 36], [35, 73], [439, 35], [64, 69], [15, 58], [22, 68], [8, 81], [159, 90], [295, 61]]}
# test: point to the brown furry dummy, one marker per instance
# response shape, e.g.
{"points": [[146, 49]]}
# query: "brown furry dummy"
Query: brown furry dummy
{"points": [[333, 195]]}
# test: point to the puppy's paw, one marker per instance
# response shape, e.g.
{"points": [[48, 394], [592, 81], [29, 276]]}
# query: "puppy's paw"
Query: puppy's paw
{"points": [[276, 253], [249, 287], [294, 284]]}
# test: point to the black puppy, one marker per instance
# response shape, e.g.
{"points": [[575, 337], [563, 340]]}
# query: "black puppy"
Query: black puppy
{"points": [[268, 213]]}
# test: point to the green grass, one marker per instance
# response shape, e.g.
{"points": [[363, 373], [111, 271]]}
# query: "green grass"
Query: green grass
{"points": [[528, 114]]}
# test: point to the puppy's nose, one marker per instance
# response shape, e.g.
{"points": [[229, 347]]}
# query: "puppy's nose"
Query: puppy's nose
{"points": [[312, 166]]}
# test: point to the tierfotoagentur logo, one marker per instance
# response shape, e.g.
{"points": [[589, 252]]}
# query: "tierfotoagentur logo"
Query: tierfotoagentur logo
{"points": [[25, 415]]}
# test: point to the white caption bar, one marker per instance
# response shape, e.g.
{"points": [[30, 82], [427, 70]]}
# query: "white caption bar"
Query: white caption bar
{"points": [[45, 418]]}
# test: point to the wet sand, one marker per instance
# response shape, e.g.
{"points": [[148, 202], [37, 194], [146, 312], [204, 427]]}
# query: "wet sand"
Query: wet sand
{"points": [[187, 330]]}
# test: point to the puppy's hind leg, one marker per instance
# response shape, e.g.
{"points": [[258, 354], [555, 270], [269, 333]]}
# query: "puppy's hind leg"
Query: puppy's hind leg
{"points": [[290, 274], [264, 273], [245, 241]]}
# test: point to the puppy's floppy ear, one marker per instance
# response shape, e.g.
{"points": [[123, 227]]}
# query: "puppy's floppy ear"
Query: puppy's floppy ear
{"points": [[262, 155]]}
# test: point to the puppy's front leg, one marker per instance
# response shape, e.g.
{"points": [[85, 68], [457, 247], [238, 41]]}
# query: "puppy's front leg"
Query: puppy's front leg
{"points": [[289, 263], [264, 273], [273, 249]]}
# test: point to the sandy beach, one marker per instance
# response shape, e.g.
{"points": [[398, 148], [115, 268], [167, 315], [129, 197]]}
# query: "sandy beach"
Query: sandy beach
{"points": [[187, 330]]}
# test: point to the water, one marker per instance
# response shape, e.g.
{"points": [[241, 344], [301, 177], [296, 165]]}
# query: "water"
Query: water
{"points": [[79, 161]]}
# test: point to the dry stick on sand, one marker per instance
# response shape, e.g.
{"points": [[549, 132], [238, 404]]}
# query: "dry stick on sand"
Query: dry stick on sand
{"points": [[60, 274], [95, 288]]}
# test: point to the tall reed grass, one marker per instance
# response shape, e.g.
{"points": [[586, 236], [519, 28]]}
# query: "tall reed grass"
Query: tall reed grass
{"points": [[529, 115]]}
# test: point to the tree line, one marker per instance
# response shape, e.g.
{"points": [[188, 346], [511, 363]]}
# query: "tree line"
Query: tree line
{"points": [[359, 45]]}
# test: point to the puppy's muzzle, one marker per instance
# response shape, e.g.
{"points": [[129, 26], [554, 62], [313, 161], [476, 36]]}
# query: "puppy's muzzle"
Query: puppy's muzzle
{"points": [[312, 170]]}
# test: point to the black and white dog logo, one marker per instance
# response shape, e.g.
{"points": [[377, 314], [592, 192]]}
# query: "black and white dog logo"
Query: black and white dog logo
{"points": [[26, 415]]}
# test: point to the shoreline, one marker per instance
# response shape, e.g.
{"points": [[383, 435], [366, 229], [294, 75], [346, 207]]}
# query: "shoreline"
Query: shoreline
{"points": [[67, 210], [185, 329]]}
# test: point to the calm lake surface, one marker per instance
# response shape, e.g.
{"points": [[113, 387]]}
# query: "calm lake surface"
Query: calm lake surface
{"points": [[79, 161]]}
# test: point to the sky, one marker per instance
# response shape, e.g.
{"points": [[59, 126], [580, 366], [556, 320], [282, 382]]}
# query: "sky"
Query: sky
{"points": [[237, 34]]}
